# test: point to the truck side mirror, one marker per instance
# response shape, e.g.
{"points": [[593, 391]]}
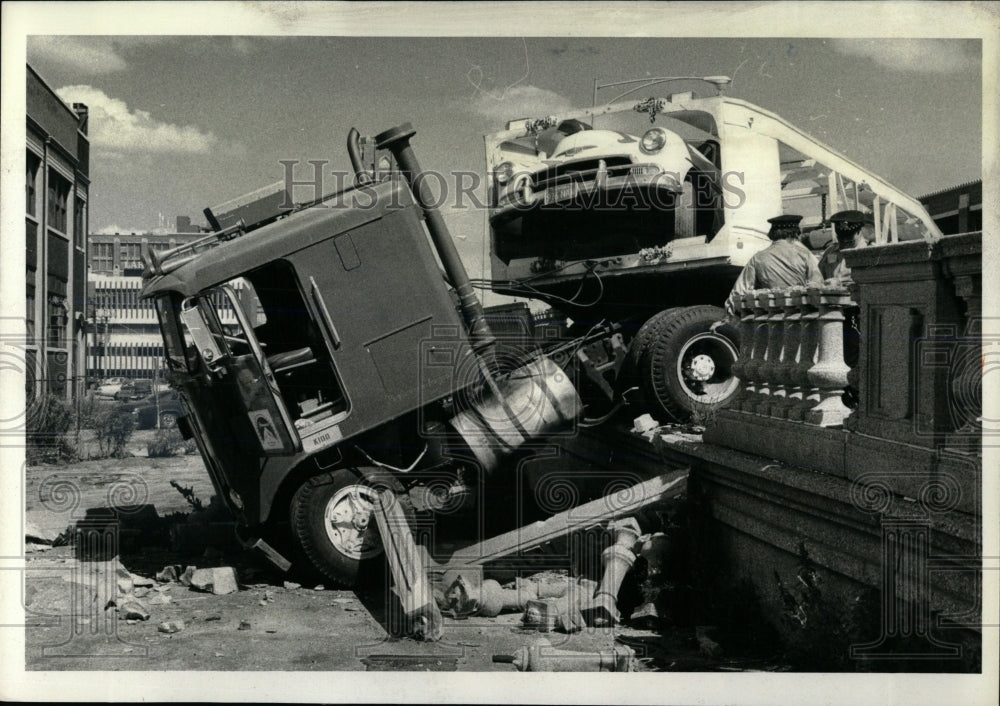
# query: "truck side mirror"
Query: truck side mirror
{"points": [[206, 343]]}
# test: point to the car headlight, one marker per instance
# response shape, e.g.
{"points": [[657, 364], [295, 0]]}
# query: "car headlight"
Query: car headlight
{"points": [[653, 141], [503, 173]]}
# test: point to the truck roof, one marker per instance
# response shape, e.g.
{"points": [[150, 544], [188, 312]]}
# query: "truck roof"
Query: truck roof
{"points": [[224, 260]]}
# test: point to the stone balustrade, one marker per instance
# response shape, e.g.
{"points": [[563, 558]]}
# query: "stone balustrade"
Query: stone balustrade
{"points": [[792, 362]]}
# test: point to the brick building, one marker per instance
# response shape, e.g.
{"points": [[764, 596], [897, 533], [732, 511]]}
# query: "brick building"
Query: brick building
{"points": [[57, 184], [958, 209]]}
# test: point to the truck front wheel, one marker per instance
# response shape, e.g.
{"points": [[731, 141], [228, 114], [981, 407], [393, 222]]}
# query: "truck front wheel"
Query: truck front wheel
{"points": [[687, 369], [333, 522]]}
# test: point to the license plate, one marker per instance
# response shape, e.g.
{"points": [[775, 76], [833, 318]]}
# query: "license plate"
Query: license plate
{"points": [[562, 192]]}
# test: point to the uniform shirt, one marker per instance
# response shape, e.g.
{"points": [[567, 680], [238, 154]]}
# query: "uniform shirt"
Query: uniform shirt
{"points": [[784, 263], [831, 262]]}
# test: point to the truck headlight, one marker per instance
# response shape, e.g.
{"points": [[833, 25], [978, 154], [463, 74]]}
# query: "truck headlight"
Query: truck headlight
{"points": [[653, 141], [503, 172]]}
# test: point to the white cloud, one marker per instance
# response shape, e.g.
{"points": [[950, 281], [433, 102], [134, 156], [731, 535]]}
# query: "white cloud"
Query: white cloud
{"points": [[923, 55], [95, 55], [116, 128], [520, 101], [115, 228]]}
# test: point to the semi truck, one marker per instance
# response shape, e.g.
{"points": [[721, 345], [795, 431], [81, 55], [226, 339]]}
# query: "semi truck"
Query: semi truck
{"points": [[329, 351], [323, 355]]}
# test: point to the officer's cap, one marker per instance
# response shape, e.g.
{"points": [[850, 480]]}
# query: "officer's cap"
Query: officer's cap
{"points": [[787, 221], [854, 218]]}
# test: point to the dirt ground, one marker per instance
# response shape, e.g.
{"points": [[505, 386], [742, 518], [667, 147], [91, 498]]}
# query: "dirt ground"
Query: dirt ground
{"points": [[268, 624]]}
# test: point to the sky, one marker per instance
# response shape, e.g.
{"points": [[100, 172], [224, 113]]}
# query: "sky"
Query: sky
{"points": [[178, 123]]}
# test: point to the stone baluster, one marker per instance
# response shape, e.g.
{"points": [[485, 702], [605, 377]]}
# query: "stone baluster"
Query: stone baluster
{"points": [[769, 373], [829, 373], [755, 358], [791, 326], [744, 310], [804, 395]]}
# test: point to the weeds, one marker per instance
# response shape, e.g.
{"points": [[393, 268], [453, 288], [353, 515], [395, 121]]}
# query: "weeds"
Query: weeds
{"points": [[166, 443], [193, 500], [46, 432], [113, 428]]}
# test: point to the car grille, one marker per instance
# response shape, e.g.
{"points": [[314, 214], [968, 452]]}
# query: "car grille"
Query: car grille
{"points": [[580, 170]]}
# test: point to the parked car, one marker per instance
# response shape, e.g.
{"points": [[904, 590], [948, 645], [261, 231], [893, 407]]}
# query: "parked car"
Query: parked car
{"points": [[109, 387], [165, 404], [134, 390]]}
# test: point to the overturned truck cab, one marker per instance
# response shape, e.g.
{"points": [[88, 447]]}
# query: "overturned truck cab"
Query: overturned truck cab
{"points": [[321, 354]]}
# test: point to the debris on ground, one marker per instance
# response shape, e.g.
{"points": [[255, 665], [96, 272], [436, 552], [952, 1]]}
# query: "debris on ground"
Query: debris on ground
{"points": [[219, 580], [171, 626], [541, 656], [244, 625], [39, 535], [133, 610], [185, 578], [160, 599], [141, 581], [616, 561], [291, 585], [169, 574]]}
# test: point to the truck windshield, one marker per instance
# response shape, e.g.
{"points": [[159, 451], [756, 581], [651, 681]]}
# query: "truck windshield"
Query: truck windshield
{"points": [[222, 315]]}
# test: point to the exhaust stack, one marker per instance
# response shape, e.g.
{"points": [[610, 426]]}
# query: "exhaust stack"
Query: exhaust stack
{"points": [[397, 141]]}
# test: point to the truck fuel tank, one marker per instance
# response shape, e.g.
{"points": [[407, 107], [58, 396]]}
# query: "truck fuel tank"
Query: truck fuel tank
{"points": [[535, 400]]}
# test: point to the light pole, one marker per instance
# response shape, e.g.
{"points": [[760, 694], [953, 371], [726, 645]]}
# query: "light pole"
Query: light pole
{"points": [[102, 318]]}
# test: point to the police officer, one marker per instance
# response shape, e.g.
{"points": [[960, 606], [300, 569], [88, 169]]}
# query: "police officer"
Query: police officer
{"points": [[848, 226], [786, 262]]}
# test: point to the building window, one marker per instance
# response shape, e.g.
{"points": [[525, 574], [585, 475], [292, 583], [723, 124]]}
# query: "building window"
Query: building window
{"points": [[79, 221], [31, 180], [58, 315], [129, 256], [103, 259], [58, 200], [29, 312]]}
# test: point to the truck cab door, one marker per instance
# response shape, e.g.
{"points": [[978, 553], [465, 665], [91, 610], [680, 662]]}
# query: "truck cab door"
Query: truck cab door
{"points": [[240, 372]]}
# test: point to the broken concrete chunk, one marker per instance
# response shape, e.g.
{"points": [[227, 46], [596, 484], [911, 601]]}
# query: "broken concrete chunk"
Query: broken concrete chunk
{"points": [[124, 585], [319, 587], [291, 585], [645, 616], [141, 581], [38, 534], [220, 580], [140, 592], [644, 423], [185, 578], [169, 573], [160, 599], [133, 610], [171, 626]]}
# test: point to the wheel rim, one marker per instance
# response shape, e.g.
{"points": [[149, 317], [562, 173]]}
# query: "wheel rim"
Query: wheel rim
{"points": [[705, 368], [348, 518]]}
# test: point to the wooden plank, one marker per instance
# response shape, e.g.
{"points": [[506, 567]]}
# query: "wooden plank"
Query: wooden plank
{"points": [[619, 504]]}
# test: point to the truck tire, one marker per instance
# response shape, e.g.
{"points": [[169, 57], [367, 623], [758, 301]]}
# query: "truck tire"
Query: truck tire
{"points": [[334, 527], [686, 369], [640, 345]]}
